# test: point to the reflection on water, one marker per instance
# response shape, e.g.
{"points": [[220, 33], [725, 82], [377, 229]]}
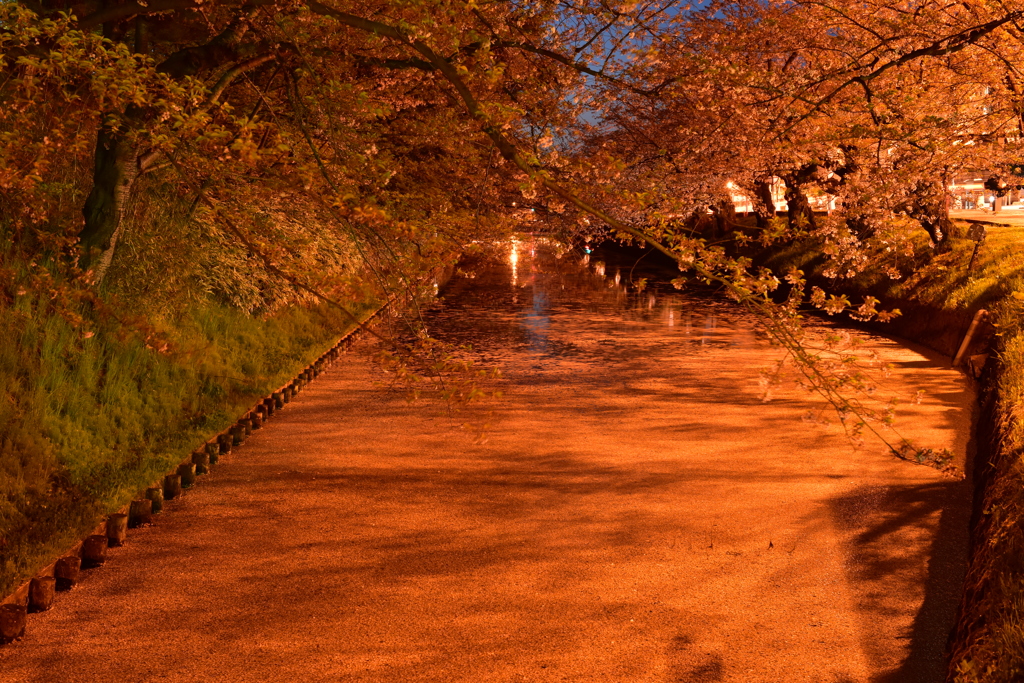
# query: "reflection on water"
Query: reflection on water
{"points": [[513, 258], [536, 321], [532, 296]]}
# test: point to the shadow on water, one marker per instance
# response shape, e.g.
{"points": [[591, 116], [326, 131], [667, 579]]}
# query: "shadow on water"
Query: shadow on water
{"points": [[882, 524]]}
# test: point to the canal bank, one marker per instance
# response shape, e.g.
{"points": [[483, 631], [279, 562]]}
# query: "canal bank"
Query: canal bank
{"points": [[631, 509], [939, 297]]}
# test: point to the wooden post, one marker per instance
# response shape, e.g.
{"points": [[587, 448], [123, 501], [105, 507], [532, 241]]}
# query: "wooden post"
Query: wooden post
{"points": [[278, 397], [155, 494], [246, 423], [213, 452], [117, 528], [187, 473], [237, 435], [172, 486], [94, 550], [977, 233], [201, 459], [256, 418], [66, 572], [976, 364], [269, 406], [12, 622], [225, 442], [966, 343], [140, 513], [40, 593], [286, 394]]}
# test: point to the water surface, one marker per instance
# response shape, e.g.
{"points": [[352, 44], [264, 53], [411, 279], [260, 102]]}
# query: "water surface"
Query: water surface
{"points": [[629, 510]]}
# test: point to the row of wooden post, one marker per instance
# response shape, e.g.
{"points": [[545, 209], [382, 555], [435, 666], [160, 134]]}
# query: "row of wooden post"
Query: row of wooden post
{"points": [[92, 551]]}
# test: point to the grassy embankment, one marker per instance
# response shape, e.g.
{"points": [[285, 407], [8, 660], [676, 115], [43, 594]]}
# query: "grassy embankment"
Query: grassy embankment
{"points": [[938, 297], [88, 421]]}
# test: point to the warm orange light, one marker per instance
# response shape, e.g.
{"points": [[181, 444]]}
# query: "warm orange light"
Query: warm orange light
{"points": [[513, 258]]}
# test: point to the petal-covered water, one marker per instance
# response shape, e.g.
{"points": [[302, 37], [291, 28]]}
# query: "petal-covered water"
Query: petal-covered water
{"points": [[794, 555], [634, 512]]}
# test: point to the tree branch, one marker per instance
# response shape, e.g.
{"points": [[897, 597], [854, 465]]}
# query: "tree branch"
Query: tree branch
{"points": [[234, 72], [114, 13]]}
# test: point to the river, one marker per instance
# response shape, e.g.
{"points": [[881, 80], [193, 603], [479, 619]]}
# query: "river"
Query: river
{"points": [[764, 542], [631, 509]]}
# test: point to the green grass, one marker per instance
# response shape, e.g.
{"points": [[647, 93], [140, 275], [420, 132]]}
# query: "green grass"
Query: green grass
{"points": [[993, 651], [88, 422]]}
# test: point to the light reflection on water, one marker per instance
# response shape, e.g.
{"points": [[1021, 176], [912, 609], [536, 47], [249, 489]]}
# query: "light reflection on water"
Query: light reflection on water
{"points": [[532, 297], [513, 258]]}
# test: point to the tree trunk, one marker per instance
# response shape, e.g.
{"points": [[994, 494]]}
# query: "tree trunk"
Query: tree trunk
{"points": [[937, 227], [725, 215], [929, 208], [114, 175], [799, 211], [765, 204]]}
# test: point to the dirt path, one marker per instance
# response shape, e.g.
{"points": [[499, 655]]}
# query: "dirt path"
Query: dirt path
{"points": [[644, 518]]}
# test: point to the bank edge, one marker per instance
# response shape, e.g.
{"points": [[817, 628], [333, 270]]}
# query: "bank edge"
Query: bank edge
{"points": [[938, 296], [15, 605]]}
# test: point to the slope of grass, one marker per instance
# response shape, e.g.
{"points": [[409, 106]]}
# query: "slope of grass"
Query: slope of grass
{"points": [[87, 420]]}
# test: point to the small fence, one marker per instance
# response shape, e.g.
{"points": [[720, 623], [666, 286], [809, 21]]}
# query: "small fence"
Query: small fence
{"points": [[37, 594]]}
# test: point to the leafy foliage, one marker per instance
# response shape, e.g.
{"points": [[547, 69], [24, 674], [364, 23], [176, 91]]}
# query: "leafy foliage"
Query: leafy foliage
{"points": [[162, 158]]}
